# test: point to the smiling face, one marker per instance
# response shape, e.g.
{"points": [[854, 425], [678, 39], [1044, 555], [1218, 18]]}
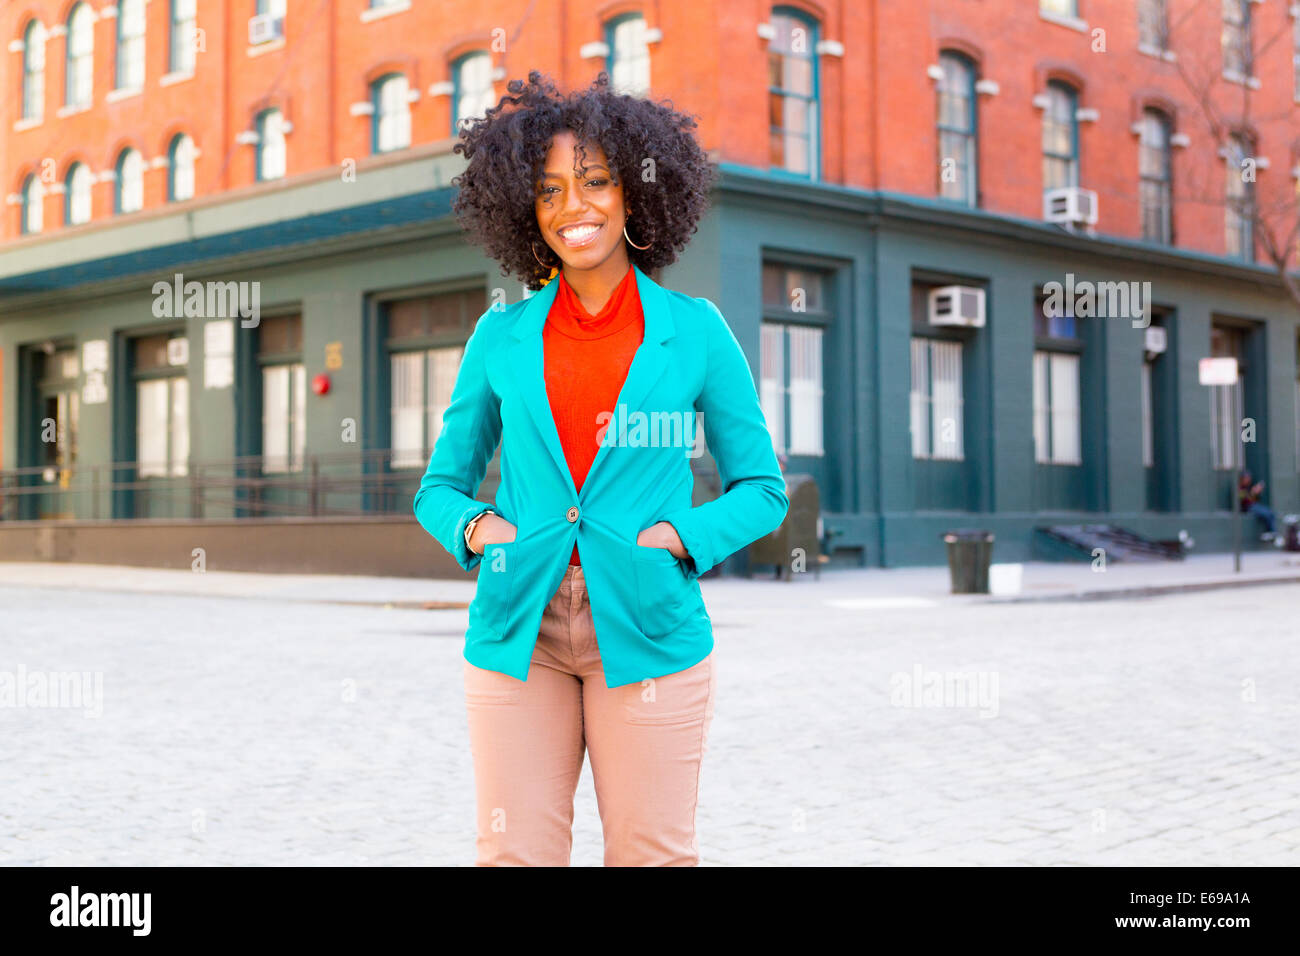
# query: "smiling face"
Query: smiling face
{"points": [[580, 211]]}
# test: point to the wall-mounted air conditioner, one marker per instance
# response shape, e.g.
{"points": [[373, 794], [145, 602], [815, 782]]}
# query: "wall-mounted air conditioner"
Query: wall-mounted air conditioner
{"points": [[264, 28], [1070, 205], [957, 305]]}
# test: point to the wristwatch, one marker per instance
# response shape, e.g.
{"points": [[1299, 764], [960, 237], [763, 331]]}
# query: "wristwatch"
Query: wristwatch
{"points": [[469, 529]]}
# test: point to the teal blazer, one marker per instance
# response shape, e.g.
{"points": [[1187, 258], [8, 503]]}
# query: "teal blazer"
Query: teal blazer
{"points": [[646, 604]]}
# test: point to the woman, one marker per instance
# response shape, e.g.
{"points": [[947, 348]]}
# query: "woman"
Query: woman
{"points": [[588, 630]]}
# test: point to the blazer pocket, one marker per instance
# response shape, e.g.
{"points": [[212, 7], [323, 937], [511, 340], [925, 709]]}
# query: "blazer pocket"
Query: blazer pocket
{"points": [[496, 572], [661, 590]]}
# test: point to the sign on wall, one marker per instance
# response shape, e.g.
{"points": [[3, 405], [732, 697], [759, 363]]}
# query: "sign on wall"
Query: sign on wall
{"points": [[94, 362], [219, 353], [1218, 371]]}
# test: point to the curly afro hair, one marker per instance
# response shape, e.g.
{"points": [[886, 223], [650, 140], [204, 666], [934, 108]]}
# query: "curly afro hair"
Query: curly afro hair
{"points": [[506, 152]]}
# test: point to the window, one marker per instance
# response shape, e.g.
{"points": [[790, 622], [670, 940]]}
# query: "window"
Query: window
{"points": [[792, 89], [180, 168], [629, 55], [78, 195], [1227, 402], [1057, 419], [80, 79], [34, 71], [284, 394], [1238, 48], [33, 202], [1154, 169], [1295, 55], [936, 401], [1148, 418], [473, 94], [130, 45], [1153, 25], [1239, 208], [162, 439], [958, 178], [392, 128], [425, 341], [1060, 137], [130, 181], [184, 27], [273, 12], [790, 358], [271, 150], [1059, 8]]}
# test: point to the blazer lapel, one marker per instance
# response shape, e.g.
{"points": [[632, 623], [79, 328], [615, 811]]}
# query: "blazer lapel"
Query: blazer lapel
{"points": [[528, 363], [527, 360], [650, 360]]}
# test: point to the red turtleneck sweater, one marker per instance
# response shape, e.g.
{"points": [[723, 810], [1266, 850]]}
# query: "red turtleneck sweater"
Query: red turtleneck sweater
{"points": [[587, 357]]}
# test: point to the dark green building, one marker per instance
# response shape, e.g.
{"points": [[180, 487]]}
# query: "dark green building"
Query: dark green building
{"points": [[907, 352]]}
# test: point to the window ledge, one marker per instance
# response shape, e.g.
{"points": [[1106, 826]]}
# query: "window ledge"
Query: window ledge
{"points": [[25, 124], [269, 47], [170, 79], [1072, 23], [378, 13], [1169, 56], [123, 94], [66, 111], [1232, 76]]}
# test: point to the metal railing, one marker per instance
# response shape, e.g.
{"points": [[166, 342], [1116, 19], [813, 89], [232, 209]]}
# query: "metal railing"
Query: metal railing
{"points": [[253, 486]]}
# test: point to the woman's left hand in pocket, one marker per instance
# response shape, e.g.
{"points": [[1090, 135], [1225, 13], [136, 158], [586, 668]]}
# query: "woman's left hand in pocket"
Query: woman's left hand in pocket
{"points": [[663, 535]]}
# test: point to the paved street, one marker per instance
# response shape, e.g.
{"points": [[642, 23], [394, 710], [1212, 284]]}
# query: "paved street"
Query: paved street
{"points": [[261, 729]]}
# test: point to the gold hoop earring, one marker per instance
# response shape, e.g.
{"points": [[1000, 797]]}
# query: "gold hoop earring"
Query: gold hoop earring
{"points": [[533, 247], [629, 238]]}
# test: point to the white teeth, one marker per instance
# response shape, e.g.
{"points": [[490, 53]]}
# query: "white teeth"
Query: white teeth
{"points": [[578, 232]]}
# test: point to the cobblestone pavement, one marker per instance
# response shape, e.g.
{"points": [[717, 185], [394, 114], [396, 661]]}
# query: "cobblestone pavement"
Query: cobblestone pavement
{"points": [[1145, 732]]}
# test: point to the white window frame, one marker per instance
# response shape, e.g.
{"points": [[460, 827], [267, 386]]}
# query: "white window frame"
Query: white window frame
{"points": [[1058, 420], [793, 403], [284, 417], [936, 400], [418, 399]]}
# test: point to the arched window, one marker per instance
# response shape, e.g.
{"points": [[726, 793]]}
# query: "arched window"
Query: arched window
{"points": [[34, 71], [1239, 195], [79, 86], [958, 146], [271, 151], [184, 25], [474, 93], [180, 168], [1060, 137], [77, 195], [629, 55], [392, 127], [130, 181], [130, 45], [33, 198], [1154, 168], [792, 93]]}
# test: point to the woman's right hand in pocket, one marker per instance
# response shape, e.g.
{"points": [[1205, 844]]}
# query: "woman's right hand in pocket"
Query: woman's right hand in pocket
{"points": [[491, 529]]}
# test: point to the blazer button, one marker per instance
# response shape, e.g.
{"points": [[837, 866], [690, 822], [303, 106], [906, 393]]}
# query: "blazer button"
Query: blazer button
{"points": [[572, 515]]}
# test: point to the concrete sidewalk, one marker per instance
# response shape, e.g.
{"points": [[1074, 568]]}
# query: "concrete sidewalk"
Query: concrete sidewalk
{"points": [[854, 588]]}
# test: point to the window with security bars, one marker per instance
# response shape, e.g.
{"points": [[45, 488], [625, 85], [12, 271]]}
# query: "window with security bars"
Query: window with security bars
{"points": [[425, 338], [284, 394], [1227, 402], [1057, 432], [937, 421], [791, 387]]}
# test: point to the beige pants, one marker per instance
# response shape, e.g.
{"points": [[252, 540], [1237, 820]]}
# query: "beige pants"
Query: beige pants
{"points": [[646, 741]]}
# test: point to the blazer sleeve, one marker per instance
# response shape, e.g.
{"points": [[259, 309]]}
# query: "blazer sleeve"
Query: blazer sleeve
{"points": [[753, 500], [471, 428]]}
